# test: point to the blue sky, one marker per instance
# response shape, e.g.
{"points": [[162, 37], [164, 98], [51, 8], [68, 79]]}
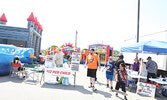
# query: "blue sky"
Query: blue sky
{"points": [[97, 21]]}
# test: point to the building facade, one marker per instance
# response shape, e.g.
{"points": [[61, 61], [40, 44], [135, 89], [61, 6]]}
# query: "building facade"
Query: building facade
{"points": [[29, 37]]}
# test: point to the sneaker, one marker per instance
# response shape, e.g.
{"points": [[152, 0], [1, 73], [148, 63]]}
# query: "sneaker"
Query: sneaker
{"points": [[112, 88], [93, 88], [90, 85], [116, 94], [125, 98], [107, 85]]}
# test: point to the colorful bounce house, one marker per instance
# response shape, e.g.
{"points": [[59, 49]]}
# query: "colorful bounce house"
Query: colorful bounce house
{"points": [[66, 48], [51, 50], [103, 51], [7, 54], [84, 53]]}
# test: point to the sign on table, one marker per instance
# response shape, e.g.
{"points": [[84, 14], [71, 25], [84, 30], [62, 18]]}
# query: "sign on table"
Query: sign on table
{"points": [[146, 89], [75, 61], [49, 62], [58, 72]]}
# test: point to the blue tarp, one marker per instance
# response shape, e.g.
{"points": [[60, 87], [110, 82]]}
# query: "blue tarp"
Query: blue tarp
{"points": [[152, 46]]}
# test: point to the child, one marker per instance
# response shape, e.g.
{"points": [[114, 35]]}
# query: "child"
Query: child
{"points": [[121, 74], [110, 66]]}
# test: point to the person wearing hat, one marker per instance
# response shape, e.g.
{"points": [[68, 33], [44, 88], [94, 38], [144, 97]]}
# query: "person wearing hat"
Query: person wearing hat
{"points": [[92, 60], [110, 67], [151, 69], [119, 61], [121, 77]]}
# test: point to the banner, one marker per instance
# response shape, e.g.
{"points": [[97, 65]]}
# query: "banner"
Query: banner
{"points": [[146, 89], [58, 72], [75, 61]]}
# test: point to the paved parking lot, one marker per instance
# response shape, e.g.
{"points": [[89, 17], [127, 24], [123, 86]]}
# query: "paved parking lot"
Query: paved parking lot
{"points": [[18, 89]]}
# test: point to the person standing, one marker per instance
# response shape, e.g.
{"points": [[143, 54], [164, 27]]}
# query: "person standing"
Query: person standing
{"points": [[121, 75], [110, 66], [143, 67], [135, 66], [119, 61], [92, 60], [151, 69], [69, 56], [59, 60]]}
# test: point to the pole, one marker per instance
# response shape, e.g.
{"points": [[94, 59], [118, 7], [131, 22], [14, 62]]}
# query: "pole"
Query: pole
{"points": [[76, 38], [75, 46], [138, 17]]}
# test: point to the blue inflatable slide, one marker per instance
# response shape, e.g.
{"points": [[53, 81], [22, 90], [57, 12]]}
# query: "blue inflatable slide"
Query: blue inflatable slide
{"points": [[7, 54]]}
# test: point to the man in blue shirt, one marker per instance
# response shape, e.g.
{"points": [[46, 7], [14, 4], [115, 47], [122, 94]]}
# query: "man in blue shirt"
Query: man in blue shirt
{"points": [[152, 68], [110, 67]]}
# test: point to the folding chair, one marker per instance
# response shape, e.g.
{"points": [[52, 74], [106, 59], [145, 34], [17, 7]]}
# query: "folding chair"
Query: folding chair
{"points": [[14, 70]]}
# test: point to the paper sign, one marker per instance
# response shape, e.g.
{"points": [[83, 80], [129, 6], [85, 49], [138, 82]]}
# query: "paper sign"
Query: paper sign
{"points": [[49, 62], [146, 89], [75, 61]]}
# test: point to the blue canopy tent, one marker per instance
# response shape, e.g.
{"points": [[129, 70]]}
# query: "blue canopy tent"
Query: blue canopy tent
{"points": [[152, 46]]}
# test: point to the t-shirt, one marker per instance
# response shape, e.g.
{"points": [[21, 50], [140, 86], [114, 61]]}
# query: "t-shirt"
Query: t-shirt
{"points": [[110, 67], [92, 61], [59, 58], [151, 66], [118, 62], [68, 57], [121, 75], [135, 66]]}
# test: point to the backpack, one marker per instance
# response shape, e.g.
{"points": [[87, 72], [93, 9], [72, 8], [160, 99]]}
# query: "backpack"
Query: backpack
{"points": [[60, 80], [65, 81]]}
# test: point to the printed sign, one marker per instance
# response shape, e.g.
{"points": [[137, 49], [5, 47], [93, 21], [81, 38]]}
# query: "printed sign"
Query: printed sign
{"points": [[75, 61], [146, 89], [49, 62], [58, 72]]}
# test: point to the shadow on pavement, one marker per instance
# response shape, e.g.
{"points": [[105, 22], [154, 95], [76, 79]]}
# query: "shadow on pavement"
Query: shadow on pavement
{"points": [[105, 94], [97, 82], [70, 87], [31, 82], [12, 79]]}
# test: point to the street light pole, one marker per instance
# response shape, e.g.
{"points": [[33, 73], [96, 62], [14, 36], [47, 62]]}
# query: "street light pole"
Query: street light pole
{"points": [[75, 46], [138, 17], [76, 39]]}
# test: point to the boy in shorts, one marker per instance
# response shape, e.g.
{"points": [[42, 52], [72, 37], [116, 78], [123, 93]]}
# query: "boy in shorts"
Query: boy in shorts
{"points": [[121, 75], [110, 67]]}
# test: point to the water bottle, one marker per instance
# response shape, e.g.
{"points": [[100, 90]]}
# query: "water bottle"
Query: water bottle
{"points": [[160, 77]]}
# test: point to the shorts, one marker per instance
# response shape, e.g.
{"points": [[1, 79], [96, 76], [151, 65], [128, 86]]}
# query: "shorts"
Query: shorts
{"points": [[109, 77], [122, 85], [91, 73]]}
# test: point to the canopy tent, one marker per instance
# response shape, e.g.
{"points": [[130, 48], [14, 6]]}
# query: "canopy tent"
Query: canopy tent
{"points": [[152, 46]]}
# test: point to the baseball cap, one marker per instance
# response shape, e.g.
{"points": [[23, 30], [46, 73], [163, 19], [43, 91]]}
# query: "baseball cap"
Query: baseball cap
{"points": [[92, 49], [148, 57], [110, 58], [121, 56]]}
